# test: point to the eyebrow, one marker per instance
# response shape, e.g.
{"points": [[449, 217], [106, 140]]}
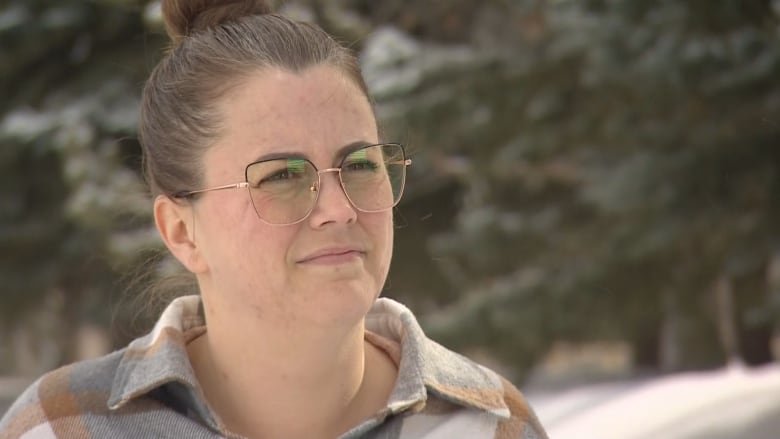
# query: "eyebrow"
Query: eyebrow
{"points": [[340, 154]]}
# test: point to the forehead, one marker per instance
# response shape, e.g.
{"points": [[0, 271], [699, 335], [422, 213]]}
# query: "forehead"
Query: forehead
{"points": [[312, 112]]}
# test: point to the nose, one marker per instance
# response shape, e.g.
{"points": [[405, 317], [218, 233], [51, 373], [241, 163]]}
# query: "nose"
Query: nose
{"points": [[332, 206]]}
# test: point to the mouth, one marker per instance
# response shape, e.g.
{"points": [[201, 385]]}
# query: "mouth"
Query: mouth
{"points": [[330, 256]]}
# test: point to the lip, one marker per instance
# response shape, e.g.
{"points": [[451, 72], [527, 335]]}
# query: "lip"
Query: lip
{"points": [[332, 255]]}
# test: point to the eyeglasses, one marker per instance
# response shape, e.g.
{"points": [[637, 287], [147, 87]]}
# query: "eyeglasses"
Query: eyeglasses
{"points": [[284, 191]]}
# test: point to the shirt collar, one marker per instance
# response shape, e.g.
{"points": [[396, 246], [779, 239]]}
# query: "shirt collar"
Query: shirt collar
{"points": [[160, 358], [426, 366]]}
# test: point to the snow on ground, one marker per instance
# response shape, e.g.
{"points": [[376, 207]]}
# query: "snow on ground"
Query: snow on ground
{"points": [[735, 402]]}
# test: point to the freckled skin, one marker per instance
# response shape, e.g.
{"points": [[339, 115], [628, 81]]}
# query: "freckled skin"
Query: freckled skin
{"points": [[254, 269]]}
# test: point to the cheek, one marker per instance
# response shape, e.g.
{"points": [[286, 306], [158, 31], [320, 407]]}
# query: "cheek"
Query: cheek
{"points": [[263, 250], [239, 245], [380, 225]]}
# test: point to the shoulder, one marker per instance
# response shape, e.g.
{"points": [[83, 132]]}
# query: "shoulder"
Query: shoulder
{"points": [[522, 421], [428, 368], [469, 384], [63, 396]]}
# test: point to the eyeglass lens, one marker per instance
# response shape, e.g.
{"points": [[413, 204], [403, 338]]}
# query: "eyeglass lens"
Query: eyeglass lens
{"points": [[284, 191]]}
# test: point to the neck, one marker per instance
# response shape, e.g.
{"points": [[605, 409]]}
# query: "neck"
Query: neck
{"points": [[261, 380]]}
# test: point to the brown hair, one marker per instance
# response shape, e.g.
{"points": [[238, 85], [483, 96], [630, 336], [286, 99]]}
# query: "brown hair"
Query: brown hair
{"points": [[216, 44]]}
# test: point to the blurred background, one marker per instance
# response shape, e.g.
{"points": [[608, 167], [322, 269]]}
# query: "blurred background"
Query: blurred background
{"points": [[593, 207]]}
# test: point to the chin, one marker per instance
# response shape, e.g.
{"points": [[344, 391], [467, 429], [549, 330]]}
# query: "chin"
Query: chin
{"points": [[346, 302]]}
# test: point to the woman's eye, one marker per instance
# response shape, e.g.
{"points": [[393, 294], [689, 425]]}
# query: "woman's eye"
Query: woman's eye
{"points": [[278, 176], [287, 171], [363, 165]]}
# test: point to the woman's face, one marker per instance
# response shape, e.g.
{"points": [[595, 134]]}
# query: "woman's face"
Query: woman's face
{"points": [[327, 269]]}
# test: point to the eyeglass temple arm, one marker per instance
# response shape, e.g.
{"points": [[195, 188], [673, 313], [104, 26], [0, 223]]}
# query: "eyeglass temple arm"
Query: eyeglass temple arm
{"points": [[217, 188]]}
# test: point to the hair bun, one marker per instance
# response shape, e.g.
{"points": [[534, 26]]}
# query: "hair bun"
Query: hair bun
{"points": [[184, 17]]}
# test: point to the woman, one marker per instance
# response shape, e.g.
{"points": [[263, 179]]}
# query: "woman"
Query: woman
{"points": [[273, 188]]}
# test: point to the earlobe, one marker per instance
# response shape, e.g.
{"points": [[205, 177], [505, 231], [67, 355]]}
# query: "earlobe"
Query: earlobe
{"points": [[176, 227]]}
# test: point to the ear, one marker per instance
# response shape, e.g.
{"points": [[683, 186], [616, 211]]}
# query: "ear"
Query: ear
{"points": [[176, 226]]}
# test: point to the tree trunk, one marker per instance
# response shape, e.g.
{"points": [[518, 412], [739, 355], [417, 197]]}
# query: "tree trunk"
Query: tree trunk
{"points": [[725, 316], [669, 348]]}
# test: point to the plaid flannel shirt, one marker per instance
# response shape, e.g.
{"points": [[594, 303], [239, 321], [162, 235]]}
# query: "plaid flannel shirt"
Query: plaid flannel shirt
{"points": [[149, 390]]}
